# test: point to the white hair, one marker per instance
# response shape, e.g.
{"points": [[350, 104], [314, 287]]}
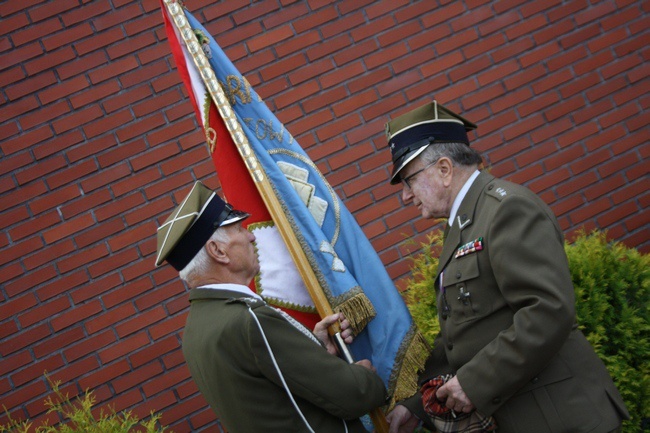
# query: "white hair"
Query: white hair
{"points": [[199, 264]]}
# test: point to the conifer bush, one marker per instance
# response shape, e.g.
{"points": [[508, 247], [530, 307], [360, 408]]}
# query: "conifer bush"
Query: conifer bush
{"points": [[77, 417], [612, 286]]}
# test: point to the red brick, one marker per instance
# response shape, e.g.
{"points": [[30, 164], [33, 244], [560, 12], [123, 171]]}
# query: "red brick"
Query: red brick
{"points": [[67, 228], [61, 285], [50, 60], [118, 207], [81, 64], [75, 370], [18, 108], [67, 36], [76, 315], [71, 174], [159, 348], [16, 162], [18, 19], [45, 255], [13, 217], [24, 338], [63, 89], [17, 305], [43, 311], [85, 12], [106, 177], [14, 362], [113, 69], [20, 55], [98, 378], [171, 326], [603, 187], [95, 288], [112, 262], [85, 203], [31, 85], [25, 393], [123, 347], [590, 210], [90, 345], [107, 123], [12, 75], [20, 249], [43, 115], [84, 257], [364, 99]]}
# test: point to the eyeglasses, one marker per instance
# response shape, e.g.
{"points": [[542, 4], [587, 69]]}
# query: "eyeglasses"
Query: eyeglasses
{"points": [[407, 180]]}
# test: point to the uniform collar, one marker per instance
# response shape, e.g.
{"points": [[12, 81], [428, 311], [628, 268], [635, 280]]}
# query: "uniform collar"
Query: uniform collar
{"points": [[461, 195], [231, 289]]}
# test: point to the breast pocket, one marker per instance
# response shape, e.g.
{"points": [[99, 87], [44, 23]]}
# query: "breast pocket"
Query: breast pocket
{"points": [[462, 289]]}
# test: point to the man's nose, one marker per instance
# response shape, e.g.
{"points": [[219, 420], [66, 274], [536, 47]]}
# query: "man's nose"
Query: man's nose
{"points": [[407, 194]]}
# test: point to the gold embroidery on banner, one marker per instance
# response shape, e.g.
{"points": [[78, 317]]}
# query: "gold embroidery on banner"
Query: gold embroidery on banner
{"points": [[212, 84], [335, 202]]}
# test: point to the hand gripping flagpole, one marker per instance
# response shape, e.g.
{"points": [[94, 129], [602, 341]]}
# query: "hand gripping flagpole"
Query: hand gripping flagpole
{"points": [[263, 185]]}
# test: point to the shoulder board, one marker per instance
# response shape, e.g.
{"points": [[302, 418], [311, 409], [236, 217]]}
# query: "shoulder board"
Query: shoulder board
{"points": [[497, 191], [251, 302]]}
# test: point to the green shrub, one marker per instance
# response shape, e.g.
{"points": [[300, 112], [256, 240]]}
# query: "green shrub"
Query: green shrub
{"points": [[612, 285], [81, 419]]}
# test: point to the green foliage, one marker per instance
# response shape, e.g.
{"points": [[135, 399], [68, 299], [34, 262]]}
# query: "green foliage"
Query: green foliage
{"points": [[80, 418], [419, 295], [612, 286]]}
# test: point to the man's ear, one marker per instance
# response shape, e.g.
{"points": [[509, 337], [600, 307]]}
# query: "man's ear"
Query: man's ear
{"points": [[446, 169], [216, 250]]}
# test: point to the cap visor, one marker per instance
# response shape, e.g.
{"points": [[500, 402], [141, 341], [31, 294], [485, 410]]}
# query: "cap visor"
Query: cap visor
{"points": [[395, 178], [234, 216]]}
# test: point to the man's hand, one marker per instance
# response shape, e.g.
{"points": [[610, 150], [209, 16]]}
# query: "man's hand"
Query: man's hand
{"points": [[320, 331], [401, 420], [367, 364], [454, 396]]}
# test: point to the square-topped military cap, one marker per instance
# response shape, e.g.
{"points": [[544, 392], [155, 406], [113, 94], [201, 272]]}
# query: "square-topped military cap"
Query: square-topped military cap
{"points": [[409, 134], [191, 224]]}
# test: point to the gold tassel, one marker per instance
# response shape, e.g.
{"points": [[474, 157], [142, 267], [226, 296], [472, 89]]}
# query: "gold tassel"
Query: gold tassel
{"points": [[358, 310], [406, 382]]}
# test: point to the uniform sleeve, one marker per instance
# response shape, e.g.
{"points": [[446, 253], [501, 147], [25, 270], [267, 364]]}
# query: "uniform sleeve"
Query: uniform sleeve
{"points": [[345, 390], [526, 252]]}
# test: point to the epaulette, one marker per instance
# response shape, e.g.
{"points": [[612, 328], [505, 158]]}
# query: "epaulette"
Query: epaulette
{"points": [[251, 302], [495, 191]]}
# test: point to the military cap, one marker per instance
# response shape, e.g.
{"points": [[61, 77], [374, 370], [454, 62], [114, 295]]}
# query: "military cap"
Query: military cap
{"points": [[191, 224], [409, 134]]}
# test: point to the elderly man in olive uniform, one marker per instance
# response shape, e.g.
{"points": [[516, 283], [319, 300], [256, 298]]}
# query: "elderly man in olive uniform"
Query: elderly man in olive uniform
{"points": [[505, 298], [260, 370]]}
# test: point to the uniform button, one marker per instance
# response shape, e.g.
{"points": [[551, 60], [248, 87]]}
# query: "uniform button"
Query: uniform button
{"points": [[490, 187], [535, 380], [450, 346], [496, 400], [458, 275]]}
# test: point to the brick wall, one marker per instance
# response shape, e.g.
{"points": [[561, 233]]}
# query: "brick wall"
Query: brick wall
{"points": [[98, 142]]}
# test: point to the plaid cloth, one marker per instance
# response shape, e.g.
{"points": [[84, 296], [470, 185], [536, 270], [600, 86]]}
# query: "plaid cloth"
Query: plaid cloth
{"points": [[447, 421]]}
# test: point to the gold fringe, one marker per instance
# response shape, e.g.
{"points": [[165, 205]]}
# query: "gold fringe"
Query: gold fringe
{"points": [[406, 379], [358, 310]]}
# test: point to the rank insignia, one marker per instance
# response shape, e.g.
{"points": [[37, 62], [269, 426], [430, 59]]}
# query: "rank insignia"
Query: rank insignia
{"points": [[470, 247]]}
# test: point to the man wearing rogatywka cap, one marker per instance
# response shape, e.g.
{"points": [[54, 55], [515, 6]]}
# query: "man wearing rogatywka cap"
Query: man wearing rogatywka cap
{"points": [[509, 355], [260, 370]]}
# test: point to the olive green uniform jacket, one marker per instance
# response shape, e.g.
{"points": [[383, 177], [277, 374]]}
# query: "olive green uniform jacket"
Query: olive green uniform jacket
{"points": [[507, 316], [231, 364]]}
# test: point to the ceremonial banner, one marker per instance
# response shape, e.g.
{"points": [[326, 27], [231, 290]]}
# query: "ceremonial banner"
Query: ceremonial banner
{"points": [[249, 146]]}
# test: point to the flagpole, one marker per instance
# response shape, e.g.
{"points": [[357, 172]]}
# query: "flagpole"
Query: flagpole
{"points": [[259, 178]]}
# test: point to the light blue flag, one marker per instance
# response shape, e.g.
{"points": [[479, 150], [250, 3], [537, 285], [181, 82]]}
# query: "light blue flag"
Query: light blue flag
{"points": [[347, 267]]}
